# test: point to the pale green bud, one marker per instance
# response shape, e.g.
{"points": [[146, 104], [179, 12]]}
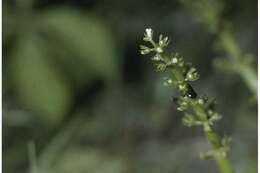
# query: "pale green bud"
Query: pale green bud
{"points": [[201, 101], [148, 35], [190, 120], [159, 50], [192, 74], [182, 103], [174, 60], [156, 58], [144, 50]]}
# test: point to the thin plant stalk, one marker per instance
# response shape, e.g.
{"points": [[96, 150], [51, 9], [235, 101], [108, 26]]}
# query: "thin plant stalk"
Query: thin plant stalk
{"points": [[32, 157], [198, 110], [239, 62], [209, 13]]}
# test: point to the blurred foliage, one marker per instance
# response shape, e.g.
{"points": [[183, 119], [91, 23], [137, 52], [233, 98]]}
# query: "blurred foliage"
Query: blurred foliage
{"points": [[56, 42], [77, 96], [209, 13]]}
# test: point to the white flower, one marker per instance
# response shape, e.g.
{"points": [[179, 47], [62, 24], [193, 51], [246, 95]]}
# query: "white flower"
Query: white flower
{"points": [[144, 50], [201, 101], [182, 87], [165, 39], [149, 32], [192, 74], [159, 50], [169, 81], [174, 60], [148, 35], [156, 58]]}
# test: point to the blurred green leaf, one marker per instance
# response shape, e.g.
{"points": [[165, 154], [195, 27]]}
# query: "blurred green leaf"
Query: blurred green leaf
{"points": [[207, 12], [87, 39], [37, 83], [90, 160]]}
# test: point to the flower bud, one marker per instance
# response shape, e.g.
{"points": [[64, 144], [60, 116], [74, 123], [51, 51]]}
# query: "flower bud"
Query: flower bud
{"points": [[144, 50], [168, 81], [156, 58], [192, 75], [148, 35], [180, 62], [182, 87], [163, 42], [182, 103], [174, 60], [190, 120], [159, 50]]}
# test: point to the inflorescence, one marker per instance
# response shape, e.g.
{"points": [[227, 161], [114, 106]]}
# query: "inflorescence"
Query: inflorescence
{"points": [[198, 110]]}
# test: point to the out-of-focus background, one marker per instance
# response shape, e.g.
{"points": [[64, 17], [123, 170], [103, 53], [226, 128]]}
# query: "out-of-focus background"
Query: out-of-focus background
{"points": [[78, 96]]}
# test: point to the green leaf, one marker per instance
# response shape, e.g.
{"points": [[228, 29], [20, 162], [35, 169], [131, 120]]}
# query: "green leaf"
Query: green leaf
{"points": [[38, 85], [86, 38]]}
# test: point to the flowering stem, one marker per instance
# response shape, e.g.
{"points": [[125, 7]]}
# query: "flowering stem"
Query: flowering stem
{"points": [[213, 139], [202, 110]]}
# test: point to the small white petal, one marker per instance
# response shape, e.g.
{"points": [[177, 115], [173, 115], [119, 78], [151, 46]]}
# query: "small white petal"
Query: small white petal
{"points": [[159, 50], [149, 32], [156, 58], [174, 60]]}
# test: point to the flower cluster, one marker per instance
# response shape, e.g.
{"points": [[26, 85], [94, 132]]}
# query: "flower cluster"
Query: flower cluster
{"points": [[183, 73], [164, 62], [221, 151], [198, 110]]}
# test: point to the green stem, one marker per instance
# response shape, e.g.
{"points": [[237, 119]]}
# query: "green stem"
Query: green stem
{"points": [[213, 139], [250, 77], [245, 71], [223, 164], [32, 157], [229, 45], [203, 113]]}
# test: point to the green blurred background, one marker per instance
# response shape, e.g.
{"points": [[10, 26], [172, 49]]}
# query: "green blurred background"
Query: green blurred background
{"points": [[78, 97]]}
